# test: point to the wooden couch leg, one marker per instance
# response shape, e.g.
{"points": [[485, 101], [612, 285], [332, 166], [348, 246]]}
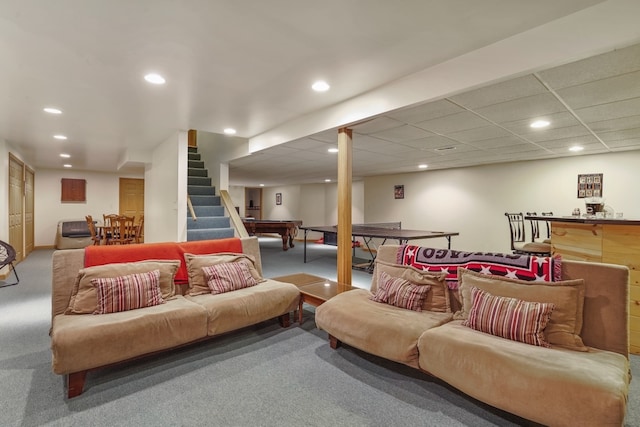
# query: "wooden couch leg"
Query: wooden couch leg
{"points": [[75, 383], [285, 320], [334, 342]]}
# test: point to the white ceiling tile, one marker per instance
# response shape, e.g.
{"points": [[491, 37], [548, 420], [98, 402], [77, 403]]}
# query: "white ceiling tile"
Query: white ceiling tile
{"points": [[497, 142], [604, 91], [568, 142], [479, 134], [523, 127], [621, 134], [624, 144], [421, 113], [613, 110], [551, 134], [402, 133], [519, 87], [530, 107], [598, 67], [453, 123], [377, 124], [431, 142], [615, 124]]}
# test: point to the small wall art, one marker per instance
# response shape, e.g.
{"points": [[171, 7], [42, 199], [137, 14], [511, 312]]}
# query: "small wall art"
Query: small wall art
{"points": [[398, 191], [278, 198], [589, 185]]}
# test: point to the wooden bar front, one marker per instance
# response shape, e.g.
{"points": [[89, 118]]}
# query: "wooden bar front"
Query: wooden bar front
{"points": [[612, 241]]}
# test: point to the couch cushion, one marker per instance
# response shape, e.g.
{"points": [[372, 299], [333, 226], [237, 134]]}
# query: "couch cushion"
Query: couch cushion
{"points": [[197, 281], [129, 292], [80, 342], [510, 375], [437, 300], [248, 306], [379, 329], [567, 296], [509, 318], [84, 299], [400, 292]]}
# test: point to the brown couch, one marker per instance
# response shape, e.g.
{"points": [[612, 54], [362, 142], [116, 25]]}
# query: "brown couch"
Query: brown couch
{"points": [[553, 386], [82, 342]]}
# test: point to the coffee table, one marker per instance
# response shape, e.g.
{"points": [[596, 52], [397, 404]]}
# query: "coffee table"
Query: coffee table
{"points": [[314, 290]]}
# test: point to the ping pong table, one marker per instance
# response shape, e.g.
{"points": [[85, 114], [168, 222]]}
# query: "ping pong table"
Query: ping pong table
{"points": [[383, 231]]}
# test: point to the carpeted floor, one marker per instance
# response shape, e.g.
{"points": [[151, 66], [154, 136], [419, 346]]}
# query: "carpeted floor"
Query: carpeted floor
{"points": [[260, 376]]}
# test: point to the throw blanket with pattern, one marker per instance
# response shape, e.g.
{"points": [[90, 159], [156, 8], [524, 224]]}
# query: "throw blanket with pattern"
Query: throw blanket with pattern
{"points": [[522, 267]]}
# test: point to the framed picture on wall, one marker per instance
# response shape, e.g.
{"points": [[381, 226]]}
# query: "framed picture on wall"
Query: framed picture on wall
{"points": [[398, 191], [278, 198], [589, 185]]}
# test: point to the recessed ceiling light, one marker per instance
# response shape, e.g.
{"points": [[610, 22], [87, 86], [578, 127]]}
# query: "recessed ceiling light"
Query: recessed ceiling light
{"points": [[230, 131], [327, 180], [52, 110], [65, 155], [332, 150], [60, 137], [539, 124], [320, 86], [261, 185], [67, 165], [576, 148], [423, 166], [154, 78]]}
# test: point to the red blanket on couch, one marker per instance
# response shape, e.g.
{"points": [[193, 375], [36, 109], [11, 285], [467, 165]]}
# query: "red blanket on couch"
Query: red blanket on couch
{"points": [[100, 255]]}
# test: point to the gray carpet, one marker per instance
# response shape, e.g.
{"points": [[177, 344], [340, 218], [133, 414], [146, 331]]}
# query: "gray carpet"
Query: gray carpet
{"points": [[260, 376]]}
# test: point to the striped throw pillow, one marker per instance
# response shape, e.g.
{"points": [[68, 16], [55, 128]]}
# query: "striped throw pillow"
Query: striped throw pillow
{"points": [[509, 318], [228, 276], [128, 292], [400, 292]]}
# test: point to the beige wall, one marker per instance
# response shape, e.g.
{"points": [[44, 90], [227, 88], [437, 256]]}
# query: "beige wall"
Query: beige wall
{"points": [[165, 191], [102, 198], [472, 201]]}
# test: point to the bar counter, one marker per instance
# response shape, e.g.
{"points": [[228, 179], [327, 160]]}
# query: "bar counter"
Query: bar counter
{"points": [[614, 241]]}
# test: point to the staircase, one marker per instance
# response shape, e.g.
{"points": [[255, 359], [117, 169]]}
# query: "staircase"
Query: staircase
{"points": [[211, 221]]}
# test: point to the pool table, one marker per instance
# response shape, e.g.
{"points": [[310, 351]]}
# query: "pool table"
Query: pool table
{"points": [[285, 228]]}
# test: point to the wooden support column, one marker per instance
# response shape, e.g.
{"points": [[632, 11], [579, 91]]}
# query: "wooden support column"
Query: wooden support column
{"points": [[345, 170]]}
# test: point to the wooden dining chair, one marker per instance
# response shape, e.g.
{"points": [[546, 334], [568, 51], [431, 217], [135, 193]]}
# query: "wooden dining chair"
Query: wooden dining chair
{"points": [[519, 242], [96, 237], [122, 230], [108, 228], [139, 230]]}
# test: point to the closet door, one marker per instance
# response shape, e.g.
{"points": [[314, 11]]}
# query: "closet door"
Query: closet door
{"points": [[131, 198], [16, 208], [29, 210]]}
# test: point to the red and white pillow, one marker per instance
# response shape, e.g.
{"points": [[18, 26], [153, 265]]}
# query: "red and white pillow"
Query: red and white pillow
{"points": [[509, 318], [400, 292], [123, 293], [228, 276]]}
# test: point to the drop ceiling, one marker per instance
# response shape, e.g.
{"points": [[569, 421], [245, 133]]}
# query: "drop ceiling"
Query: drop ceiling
{"points": [[449, 83], [593, 103]]}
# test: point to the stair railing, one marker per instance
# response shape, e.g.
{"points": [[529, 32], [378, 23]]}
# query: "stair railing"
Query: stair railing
{"points": [[226, 201], [190, 205]]}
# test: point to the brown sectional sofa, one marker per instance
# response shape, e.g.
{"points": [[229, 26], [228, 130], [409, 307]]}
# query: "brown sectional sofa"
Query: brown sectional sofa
{"points": [[553, 386], [82, 342]]}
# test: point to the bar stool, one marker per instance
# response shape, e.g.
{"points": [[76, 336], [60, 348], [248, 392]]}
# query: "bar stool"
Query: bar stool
{"points": [[519, 243]]}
